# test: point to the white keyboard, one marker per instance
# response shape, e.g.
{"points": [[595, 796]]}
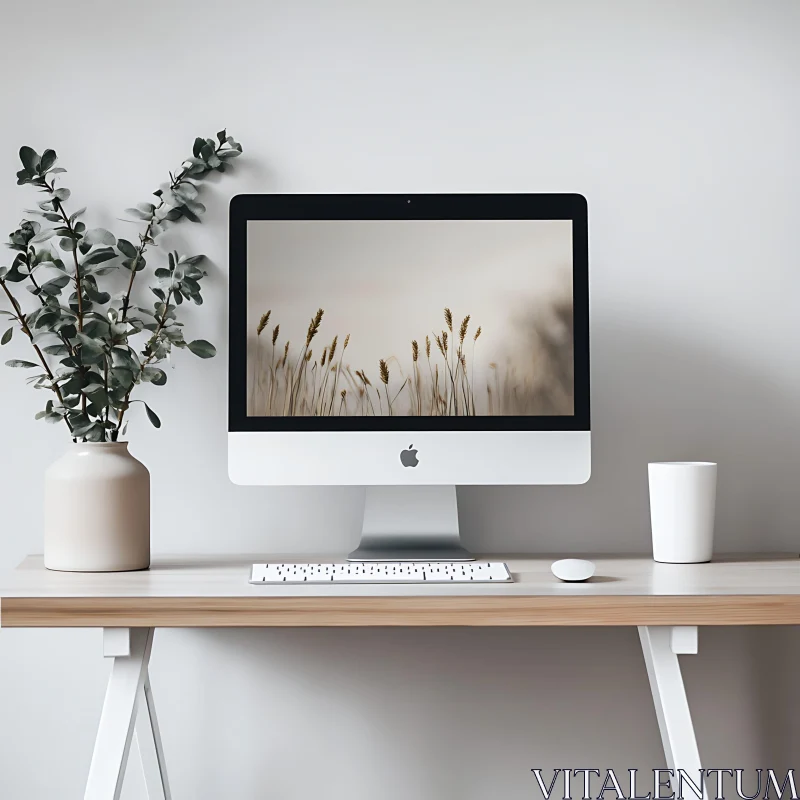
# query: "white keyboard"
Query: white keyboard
{"points": [[383, 572]]}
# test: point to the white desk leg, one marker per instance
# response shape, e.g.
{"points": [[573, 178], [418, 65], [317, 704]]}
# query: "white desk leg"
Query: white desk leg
{"points": [[148, 738], [661, 646], [115, 732]]}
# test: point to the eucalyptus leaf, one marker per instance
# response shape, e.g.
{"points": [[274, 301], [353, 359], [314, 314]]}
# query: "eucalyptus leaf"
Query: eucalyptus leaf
{"points": [[190, 286], [91, 349], [126, 248], [29, 158], [82, 430], [7, 336], [20, 364], [99, 256], [53, 287], [38, 338], [96, 329], [202, 348], [47, 319], [134, 212], [42, 236], [185, 191], [154, 375], [152, 416], [100, 236], [48, 159], [66, 244], [195, 207], [96, 296], [103, 271]]}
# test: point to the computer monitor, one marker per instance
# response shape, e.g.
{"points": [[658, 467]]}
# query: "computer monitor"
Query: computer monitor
{"points": [[409, 344]]}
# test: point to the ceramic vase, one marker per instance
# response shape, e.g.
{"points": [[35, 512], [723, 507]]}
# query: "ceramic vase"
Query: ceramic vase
{"points": [[97, 510]]}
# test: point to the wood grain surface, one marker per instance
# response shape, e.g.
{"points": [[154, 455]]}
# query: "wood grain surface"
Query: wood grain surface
{"points": [[214, 592]]}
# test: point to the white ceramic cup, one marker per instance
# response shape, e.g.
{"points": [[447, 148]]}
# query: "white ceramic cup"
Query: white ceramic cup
{"points": [[682, 502]]}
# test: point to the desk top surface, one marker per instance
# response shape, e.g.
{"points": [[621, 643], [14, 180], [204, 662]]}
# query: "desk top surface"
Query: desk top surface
{"points": [[213, 591]]}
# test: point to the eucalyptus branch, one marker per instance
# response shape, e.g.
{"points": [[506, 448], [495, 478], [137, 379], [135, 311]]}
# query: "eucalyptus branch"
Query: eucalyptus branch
{"points": [[99, 362], [59, 208], [145, 238], [23, 321], [148, 347], [59, 334], [126, 300]]}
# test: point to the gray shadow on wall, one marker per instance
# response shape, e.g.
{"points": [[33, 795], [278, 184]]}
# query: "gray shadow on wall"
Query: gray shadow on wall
{"points": [[447, 714], [655, 399]]}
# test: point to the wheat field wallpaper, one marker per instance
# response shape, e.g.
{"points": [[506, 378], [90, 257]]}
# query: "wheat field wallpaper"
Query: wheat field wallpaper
{"points": [[410, 318]]}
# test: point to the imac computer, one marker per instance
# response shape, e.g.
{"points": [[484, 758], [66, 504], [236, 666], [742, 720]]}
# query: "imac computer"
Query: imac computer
{"points": [[410, 344]]}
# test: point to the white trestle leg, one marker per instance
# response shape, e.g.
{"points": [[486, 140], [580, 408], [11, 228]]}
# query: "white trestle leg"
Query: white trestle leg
{"points": [[661, 646], [148, 739], [128, 692]]}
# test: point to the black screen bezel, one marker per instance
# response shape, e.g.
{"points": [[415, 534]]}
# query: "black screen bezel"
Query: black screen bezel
{"points": [[244, 208]]}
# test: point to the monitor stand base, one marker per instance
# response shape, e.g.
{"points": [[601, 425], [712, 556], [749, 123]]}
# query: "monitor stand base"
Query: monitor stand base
{"points": [[410, 523]]}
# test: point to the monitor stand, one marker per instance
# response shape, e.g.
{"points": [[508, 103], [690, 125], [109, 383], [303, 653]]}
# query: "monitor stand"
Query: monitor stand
{"points": [[410, 523]]}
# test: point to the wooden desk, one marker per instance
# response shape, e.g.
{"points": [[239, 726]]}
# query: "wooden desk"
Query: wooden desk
{"points": [[666, 602]]}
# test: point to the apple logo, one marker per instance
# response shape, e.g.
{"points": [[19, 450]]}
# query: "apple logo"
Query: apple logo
{"points": [[408, 458]]}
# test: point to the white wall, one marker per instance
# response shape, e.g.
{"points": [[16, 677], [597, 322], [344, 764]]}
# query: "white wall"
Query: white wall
{"points": [[679, 121]]}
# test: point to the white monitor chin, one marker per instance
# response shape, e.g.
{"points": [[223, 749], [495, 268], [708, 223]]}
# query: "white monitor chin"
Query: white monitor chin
{"points": [[382, 458]]}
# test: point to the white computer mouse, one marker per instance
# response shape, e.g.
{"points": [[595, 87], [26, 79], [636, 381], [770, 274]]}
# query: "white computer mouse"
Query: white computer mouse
{"points": [[572, 569]]}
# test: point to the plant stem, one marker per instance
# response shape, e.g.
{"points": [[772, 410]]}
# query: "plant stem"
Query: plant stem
{"points": [[149, 358], [57, 205], [143, 237], [397, 394], [271, 380], [105, 387], [26, 329], [126, 300], [433, 397], [60, 208], [60, 335], [256, 372]]}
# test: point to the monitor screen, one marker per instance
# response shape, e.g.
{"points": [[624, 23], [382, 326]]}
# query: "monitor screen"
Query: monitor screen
{"points": [[410, 318]]}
